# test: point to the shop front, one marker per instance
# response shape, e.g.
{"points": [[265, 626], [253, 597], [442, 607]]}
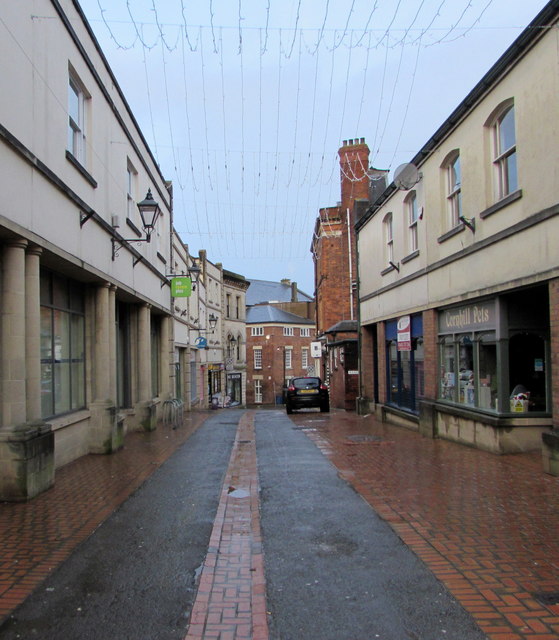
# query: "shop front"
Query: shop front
{"points": [[234, 391], [494, 389], [405, 362]]}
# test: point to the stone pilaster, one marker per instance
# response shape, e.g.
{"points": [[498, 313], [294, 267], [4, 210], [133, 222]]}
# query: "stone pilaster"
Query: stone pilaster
{"points": [[33, 332], [145, 407], [167, 366], [13, 365], [26, 444], [106, 433]]}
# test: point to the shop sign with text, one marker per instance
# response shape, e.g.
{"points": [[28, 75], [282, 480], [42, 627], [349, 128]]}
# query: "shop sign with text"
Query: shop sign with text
{"points": [[181, 287], [474, 317], [404, 333]]}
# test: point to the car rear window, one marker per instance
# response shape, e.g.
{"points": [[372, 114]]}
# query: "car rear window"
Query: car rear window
{"points": [[306, 383]]}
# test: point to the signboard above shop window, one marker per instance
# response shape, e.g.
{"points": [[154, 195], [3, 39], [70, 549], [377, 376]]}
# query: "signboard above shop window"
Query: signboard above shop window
{"points": [[181, 287], [473, 317]]}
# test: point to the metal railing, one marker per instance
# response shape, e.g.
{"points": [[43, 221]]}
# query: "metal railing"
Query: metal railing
{"points": [[173, 413]]}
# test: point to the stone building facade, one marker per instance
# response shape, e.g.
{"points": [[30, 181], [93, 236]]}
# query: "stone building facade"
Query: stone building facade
{"points": [[458, 270]]}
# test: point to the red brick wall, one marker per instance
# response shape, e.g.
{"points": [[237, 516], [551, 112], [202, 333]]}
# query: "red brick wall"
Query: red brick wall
{"points": [[382, 395], [431, 354], [335, 253], [273, 370], [367, 362], [554, 337]]}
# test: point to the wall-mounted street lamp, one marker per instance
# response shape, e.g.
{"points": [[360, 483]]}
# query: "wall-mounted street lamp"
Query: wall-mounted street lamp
{"points": [[212, 321], [194, 272], [149, 212]]}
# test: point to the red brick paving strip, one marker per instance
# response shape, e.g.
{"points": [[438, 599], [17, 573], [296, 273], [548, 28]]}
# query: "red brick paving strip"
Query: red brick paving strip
{"points": [[37, 536], [487, 526], [231, 599]]}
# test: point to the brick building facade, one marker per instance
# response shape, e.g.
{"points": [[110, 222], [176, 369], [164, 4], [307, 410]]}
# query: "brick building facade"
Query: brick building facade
{"points": [[335, 263]]}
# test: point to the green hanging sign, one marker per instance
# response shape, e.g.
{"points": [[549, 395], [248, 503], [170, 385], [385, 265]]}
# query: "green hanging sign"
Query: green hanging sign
{"points": [[181, 287]]}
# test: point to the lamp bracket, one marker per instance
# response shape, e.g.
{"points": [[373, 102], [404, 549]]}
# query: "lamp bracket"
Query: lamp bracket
{"points": [[119, 244], [468, 222], [84, 217]]}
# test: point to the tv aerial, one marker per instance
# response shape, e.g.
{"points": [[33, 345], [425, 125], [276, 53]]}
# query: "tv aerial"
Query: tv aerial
{"points": [[406, 176]]}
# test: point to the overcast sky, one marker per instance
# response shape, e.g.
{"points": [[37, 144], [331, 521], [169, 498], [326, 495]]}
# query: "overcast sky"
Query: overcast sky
{"points": [[245, 103]]}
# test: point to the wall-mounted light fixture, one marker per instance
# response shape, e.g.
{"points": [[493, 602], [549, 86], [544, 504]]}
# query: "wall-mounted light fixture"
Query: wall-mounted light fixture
{"points": [[149, 212], [468, 222], [194, 272], [212, 321]]}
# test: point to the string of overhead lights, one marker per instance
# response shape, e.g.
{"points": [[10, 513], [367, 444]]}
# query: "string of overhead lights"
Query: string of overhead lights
{"points": [[295, 108]]}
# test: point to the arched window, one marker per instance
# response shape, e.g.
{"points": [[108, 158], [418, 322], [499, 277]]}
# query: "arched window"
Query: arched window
{"points": [[453, 188], [412, 217], [388, 238], [503, 133]]}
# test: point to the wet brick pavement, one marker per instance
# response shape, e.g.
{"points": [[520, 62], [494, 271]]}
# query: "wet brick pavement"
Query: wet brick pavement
{"points": [[36, 536], [231, 599], [487, 526]]}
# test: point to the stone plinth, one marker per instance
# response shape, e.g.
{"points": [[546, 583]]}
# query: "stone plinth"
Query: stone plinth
{"points": [[550, 452], [26, 461], [107, 431]]}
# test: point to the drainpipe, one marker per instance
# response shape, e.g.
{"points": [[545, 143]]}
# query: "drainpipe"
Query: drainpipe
{"points": [[351, 294]]}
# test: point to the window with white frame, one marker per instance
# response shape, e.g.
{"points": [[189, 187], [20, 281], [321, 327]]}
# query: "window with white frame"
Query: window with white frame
{"points": [[288, 355], [412, 218], [77, 111], [258, 391], [504, 152], [304, 357], [454, 190], [388, 238], [288, 331], [258, 358], [306, 333], [257, 331]]}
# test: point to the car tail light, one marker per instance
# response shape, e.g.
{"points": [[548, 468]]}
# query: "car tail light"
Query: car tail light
{"points": [[291, 388], [324, 387]]}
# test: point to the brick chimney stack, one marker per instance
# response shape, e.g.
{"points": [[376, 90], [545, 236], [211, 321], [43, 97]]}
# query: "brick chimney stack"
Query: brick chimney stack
{"points": [[354, 165]]}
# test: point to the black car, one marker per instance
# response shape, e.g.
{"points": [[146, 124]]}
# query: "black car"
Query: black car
{"points": [[307, 392]]}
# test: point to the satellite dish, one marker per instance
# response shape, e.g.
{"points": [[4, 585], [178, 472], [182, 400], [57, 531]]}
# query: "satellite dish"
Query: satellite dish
{"points": [[406, 176]]}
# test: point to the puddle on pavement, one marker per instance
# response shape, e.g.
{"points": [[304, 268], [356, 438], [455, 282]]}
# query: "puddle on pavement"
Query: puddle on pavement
{"points": [[239, 493], [364, 438]]}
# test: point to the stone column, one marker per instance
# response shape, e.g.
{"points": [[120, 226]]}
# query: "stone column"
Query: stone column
{"points": [[166, 357], [105, 436], [14, 398], [145, 407], [102, 347], [112, 341], [26, 447], [33, 333], [144, 353]]}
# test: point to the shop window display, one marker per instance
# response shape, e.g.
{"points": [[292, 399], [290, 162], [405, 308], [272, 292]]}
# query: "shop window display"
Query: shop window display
{"points": [[468, 370]]}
